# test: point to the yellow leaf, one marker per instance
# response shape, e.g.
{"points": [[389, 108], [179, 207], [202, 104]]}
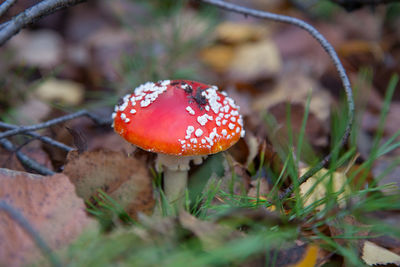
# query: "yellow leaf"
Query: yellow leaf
{"points": [[64, 91], [310, 258], [236, 33], [319, 184], [219, 57]]}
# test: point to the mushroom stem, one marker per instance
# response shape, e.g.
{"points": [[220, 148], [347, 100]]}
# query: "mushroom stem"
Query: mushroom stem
{"points": [[175, 176], [175, 182]]}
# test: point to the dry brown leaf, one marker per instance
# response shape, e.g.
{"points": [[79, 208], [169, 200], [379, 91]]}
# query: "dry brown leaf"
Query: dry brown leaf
{"points": [[51, 206], [295, 88], [315, 132], [362, 177], [255, 61], [123, 178], [63, 91], [239, 32], [318, 187], [259, 188], [360, 47]]}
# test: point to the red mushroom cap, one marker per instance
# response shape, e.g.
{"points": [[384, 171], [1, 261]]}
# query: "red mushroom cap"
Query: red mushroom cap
{"points": [[179, 118]]}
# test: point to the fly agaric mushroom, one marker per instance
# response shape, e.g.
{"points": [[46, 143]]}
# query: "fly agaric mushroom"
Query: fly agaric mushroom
{"points": [[181, 121]]}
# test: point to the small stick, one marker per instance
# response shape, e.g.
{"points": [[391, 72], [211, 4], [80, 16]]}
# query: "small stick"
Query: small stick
{"points": [[44, 139], [26, 161], [5, 6], [24, 129], [30, 15]]}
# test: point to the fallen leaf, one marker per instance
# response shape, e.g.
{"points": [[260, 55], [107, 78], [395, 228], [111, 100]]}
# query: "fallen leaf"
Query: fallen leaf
{"points": [[212, 235], [303, 51], [298, 255], [363, 177], [340, 226], [315, 132], [295, 88], [123, 178], [360, 47], [62, 91], [50, 205], [259, 188], [42, 48], [219, 57], [315, 188], [239, 32], [310, 257], [255, 61], [373, 254]]}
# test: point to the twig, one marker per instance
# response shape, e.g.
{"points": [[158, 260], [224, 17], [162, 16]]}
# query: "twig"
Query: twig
{"points": [[26, 161], [351, 5], [82, 113], [32, 14], [24, 224], [331, 52], [44, 139], [5, 6]]}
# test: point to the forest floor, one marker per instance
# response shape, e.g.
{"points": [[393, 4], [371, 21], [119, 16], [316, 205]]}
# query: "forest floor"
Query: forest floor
{"points": [[91, 201]]}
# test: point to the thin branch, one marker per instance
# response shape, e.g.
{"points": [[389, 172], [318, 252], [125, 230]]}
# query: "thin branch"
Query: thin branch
{"points": [[331, 52], [30, 15], [24, 224], [5, 6], [26, 161], [44, 139], [351, 5], [82, 113]]}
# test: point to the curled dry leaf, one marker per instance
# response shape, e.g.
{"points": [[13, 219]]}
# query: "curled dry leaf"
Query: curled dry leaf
{"points": [[316, 187], [123, 178], [50, 205]]}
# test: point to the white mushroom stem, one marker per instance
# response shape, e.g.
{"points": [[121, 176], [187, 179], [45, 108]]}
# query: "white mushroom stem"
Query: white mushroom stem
{"points": [[175, 175], [175, 183]]}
